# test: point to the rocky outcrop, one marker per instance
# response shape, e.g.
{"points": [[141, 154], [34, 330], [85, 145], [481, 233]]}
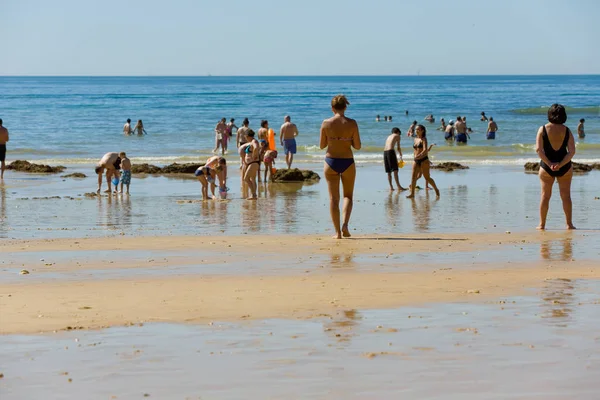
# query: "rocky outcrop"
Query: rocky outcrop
{"points": [[295, 175], [188, 168], [577, 167], [78, 175], [145, 169], [26, 166], [448, 166]]}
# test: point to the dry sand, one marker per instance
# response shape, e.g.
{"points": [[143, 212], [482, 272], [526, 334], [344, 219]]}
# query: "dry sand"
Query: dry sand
{"points": [[95, 303]]}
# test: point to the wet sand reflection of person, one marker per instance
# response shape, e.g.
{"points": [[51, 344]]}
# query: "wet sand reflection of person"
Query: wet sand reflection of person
{"points": [[342, 326], [421, 210], [393, 208], [250, 217], [342, 261], [3, 217], [557, 295], [547, 252]]}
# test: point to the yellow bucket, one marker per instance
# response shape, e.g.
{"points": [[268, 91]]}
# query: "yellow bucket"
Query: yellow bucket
{"points": [[401, 164]]}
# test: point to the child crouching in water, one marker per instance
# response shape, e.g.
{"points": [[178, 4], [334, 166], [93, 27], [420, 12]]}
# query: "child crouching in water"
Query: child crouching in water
{"points": [[125, 172], [268, 158], [215, 167]]}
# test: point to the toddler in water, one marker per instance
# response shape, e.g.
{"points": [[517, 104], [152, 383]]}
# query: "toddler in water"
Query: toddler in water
{"points": [[268, 158], [125, 172]]}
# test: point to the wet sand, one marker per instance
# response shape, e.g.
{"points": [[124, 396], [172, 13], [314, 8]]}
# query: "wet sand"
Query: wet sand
{"points": [[163, 295], [540, 346], [46, 299]]}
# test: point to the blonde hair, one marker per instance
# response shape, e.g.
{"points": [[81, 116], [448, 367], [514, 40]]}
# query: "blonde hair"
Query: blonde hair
{"points": [[339, 102], [122, 154]]}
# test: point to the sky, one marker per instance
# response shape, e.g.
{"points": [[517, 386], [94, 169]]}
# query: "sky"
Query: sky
{"points": [[305, 37]]}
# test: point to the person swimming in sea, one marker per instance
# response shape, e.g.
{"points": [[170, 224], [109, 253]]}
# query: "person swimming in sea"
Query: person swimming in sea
{"points": [[430, 118], [449, 131], [483, 117], [339, 135], [411, 129], [442, 125], [139, 128], [580, 129], [491, 129], [377, 118], [461, 131], [421, 163]]}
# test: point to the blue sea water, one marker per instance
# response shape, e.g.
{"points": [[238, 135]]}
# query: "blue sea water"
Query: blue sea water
{"points": [[72, 120]]}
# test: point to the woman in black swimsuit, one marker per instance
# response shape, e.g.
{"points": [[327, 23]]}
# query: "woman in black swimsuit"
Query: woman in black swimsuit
{"points": [[421, 164], [556, 147], [339, 135]]}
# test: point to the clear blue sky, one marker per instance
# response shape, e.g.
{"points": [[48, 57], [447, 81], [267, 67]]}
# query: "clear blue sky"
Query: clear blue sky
{"points": [[299, 37]]}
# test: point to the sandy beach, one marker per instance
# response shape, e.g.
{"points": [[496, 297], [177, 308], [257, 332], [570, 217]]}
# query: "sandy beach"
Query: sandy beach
{"points": [[230, 292]]}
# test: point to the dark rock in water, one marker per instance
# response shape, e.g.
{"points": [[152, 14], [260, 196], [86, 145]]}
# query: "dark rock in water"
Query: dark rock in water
{"points": [[91, 195], [75, 175], [145, 169], [449, 166], [532, 166], [295, 175], [188, 168], [577, 167], [581, 167], [26, 166]]}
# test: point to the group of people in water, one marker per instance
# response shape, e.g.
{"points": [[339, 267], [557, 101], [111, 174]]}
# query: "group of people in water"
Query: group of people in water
{"points": [[453, 131], [339, 136], [138, 128]]}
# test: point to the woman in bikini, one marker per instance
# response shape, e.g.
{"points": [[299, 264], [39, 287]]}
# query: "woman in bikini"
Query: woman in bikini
{"points": [[555, 145], [139, 128], [215, 167], [421, 162], [339, 135]]}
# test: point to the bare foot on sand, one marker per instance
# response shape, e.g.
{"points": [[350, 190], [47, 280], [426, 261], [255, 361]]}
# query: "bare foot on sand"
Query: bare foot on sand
{"points": [[402, 189], [540, 227], [251, 198], [107, 191], [410, 196], [571, 227], [346, 232], [338, 236]]}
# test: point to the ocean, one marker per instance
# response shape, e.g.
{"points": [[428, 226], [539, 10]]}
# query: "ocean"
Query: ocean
{"points": [[75, 120]]}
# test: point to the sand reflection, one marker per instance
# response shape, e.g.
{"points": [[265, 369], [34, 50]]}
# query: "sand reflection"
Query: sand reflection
{"points": [[3, 218], [557, 250], [343, 326], [558, 301]]}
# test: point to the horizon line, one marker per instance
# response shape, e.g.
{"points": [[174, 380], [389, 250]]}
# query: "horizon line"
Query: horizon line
{"points": [[286, 76]]}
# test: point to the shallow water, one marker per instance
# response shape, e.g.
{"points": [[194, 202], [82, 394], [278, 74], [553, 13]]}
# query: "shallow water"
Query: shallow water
{"points": [[540, 346], [482, 199]]}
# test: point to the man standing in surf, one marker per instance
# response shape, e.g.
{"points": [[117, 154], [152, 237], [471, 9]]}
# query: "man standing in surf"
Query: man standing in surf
{"points": [[3, 141], [287, 137]]}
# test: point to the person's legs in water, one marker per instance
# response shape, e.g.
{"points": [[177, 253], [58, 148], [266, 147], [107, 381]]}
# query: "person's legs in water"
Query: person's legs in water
{"points": [[389, 174], [397, 181], [333, 185], [289, 158], [425, 171], [348, 179], [109, 175], [218, 143], [416, 174], [204, 183], [546, 182], [250, 179], [564, 185]]}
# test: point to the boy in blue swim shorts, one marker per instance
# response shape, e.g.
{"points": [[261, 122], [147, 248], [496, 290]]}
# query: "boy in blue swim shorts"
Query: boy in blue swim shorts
{"points": [[125, 172]]}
